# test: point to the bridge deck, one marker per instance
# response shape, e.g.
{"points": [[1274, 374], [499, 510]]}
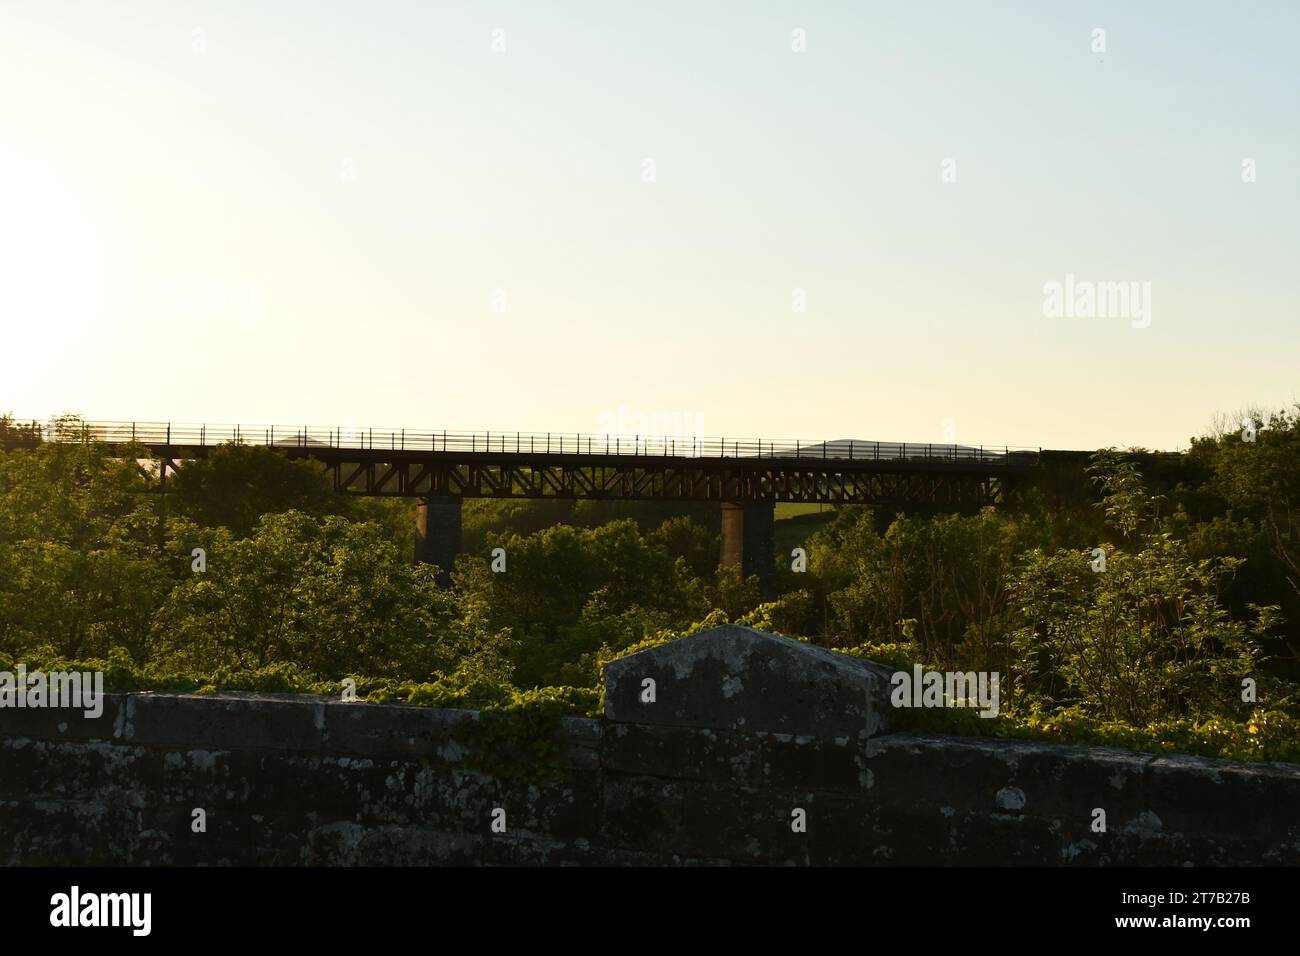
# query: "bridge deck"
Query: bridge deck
{"points": [[425, 464]]}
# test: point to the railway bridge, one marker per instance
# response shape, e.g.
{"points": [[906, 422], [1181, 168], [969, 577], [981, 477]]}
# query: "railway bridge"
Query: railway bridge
{"points": [[440, 468]]}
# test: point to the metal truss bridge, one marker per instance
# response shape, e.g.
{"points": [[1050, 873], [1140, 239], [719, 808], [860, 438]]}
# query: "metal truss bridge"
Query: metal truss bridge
{"points": [[411, 463], [747, 477]]}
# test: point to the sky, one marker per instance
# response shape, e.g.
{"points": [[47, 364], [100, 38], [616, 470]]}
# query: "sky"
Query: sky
{"points": [[778, 220]]}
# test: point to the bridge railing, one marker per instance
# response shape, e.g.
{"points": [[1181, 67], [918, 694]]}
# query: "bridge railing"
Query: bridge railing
{"points": [[180, 436]]}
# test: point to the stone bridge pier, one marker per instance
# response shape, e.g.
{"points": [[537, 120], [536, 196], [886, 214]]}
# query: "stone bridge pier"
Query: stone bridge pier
{"points": [[749, 540], [438, 533]]}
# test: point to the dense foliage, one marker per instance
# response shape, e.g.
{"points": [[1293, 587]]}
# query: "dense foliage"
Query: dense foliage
{"points": [[304, 589]]}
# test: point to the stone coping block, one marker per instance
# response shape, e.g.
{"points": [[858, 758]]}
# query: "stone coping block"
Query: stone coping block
{"points": [[64, 723], [228, 721], [736, 678], [299, 723], [394, 730]]}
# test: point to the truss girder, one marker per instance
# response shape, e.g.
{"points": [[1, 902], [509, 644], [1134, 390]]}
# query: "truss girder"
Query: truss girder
{"points": [[666, 483]]}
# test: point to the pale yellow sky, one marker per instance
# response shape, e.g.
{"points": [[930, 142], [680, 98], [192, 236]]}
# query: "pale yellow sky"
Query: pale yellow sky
{"points": [[328, 213]]}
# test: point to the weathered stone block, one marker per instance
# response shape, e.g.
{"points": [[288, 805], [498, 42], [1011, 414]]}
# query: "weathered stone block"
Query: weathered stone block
{"points": [[683, 753], [737, 678], [49, 770], [842, 832], [1243, 800], [643, 812], [67, 832], [62, 723], [388, 729], [798, 762], [580, 742], [229, 721], [746, 825]]}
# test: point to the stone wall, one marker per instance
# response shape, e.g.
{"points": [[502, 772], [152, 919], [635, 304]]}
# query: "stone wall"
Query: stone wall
{"points": [[740, 735]]}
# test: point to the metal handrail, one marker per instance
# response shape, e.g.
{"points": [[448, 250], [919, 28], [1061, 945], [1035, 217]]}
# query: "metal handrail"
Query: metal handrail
{"points": [[492, 442]]}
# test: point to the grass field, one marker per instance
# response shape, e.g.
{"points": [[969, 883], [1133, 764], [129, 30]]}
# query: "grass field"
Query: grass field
{"points": [[796, 523], [784, 511]]}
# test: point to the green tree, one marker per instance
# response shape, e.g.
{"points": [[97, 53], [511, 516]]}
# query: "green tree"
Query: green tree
{"points": [[236, 484], [77, 575], [1261, 479], [1143, 639], [331, 595]]}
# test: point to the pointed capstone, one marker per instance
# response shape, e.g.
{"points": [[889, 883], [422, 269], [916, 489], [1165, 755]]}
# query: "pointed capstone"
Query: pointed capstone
{"points": [[737, 678]]}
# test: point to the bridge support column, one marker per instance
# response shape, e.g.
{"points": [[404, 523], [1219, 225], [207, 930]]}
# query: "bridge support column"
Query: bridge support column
{"points": [[749, 540], [733, 535], [438, 533]]}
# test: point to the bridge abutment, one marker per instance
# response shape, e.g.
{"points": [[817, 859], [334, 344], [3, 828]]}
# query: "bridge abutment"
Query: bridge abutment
{"points": [[749, 540], [438, 532]]}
